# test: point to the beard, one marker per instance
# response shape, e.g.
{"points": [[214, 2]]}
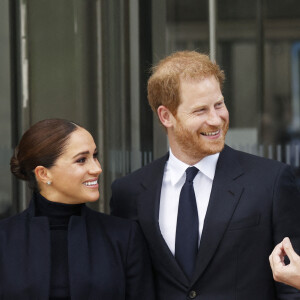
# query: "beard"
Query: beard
{"points": [[195, 145]]}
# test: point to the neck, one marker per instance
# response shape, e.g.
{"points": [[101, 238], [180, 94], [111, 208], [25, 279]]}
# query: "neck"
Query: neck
{"points": [[54, 197], [185, 157], [51, 209]]}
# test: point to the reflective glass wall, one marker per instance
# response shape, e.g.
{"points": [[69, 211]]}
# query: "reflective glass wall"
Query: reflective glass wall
{"points": [[280, 129], [86, 61], [89, 61], [257, 44], [49, 68], [6, 197], [60, 64], [126, 60]]}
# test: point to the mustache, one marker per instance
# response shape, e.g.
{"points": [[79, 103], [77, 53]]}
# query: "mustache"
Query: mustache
{"points": [[210, 129], [224, 127]]}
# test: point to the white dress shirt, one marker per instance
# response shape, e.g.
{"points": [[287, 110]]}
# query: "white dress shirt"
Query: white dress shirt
{"points": [[173, 180]]}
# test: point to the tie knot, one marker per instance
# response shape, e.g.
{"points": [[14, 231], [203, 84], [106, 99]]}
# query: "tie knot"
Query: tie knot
{"points": [[191, 172]]}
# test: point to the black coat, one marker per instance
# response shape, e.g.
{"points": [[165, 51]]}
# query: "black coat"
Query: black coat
{"points": [[107, 258], [254, 204]]}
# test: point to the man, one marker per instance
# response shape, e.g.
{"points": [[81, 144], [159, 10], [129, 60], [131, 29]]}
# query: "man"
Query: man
{"points": [[211, 215], [282, 272]]}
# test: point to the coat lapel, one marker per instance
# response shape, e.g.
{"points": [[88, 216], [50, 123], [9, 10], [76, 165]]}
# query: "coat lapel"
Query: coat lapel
{"points": [[78, 251], [223, 201], [148, 211], [33, 248], [38, 253]]}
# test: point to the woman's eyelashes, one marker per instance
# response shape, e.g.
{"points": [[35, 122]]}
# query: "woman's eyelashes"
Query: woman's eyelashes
{"points": [[82, 160]]}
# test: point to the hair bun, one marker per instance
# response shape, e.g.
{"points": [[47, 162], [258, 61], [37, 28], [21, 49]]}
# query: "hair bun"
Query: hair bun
{"points": [[16, 169], [40, 145]]}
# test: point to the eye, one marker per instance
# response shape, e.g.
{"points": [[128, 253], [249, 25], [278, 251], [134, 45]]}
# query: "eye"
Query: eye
{"points": [[220, 104], [95, 155], [199, 111], [81, 160]]}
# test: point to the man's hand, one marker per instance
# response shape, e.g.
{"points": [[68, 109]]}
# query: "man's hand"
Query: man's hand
{"points": [[288, 274]]}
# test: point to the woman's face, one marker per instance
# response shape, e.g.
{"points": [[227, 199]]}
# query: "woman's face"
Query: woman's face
{"points": [[74, 176]]}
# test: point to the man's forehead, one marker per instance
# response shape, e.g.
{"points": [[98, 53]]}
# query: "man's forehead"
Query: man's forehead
{"points": [[189, 79]]}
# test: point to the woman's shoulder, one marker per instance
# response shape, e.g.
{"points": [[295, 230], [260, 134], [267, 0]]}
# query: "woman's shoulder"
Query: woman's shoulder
{"points": [[12, 225], [113, 225], [12, 219], [108, 219]]}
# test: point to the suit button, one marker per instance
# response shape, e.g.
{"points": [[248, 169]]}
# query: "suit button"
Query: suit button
{"points": [[192, 294]]}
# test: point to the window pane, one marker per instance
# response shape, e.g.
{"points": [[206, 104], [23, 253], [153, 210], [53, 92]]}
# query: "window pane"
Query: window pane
{"points": [[5, 112], [62, 57], [237, 53], [281, 112], [187, 25], [60, 76]]}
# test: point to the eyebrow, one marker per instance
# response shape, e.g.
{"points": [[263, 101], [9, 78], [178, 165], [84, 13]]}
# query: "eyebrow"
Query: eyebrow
{"points": [[205, 105], [84, 153]]}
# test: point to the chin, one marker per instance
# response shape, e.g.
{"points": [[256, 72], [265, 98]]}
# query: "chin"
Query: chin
{"points": [[211, 149], [93, 199], [217, 148], [90, 198]]}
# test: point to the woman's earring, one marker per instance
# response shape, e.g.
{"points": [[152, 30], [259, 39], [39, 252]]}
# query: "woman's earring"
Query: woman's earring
{"points": [[49, 182]]}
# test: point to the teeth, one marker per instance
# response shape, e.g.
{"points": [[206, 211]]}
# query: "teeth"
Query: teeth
{"points": [[88, 183], [211, 133]]}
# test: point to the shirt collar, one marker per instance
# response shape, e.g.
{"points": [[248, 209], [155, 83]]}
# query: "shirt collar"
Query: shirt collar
{"points": [[206, 165]]}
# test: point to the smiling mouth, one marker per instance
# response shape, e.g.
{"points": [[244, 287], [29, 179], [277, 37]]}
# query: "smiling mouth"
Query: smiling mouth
{"points": [[211, 133], [91, 183]]}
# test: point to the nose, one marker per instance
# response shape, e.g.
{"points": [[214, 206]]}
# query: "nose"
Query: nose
{"points": [[213, 118], [95, 167]]}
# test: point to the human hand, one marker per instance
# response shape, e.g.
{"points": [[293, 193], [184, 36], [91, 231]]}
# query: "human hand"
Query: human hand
{"points": [[288, 274]]}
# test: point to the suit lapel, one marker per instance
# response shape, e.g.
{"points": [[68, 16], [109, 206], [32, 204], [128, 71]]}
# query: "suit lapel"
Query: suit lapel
{"points": [[148, 211], [223, 201]]}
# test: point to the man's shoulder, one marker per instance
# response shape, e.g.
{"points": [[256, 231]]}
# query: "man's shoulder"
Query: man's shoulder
{"points": [[252, 160], [125, 190], [155, 167], [110, 223]]}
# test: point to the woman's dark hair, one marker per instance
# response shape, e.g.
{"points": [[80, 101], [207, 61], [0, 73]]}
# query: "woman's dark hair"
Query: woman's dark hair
{"points": [[40, 145]]}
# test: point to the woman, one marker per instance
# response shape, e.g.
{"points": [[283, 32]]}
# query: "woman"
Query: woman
{"points": [[58, 248]]}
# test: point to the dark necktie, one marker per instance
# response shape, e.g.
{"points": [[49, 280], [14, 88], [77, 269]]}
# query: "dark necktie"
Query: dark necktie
{"points": [[187, 230]]}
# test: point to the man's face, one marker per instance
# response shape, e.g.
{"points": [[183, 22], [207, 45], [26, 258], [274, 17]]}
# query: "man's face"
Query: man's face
{"points": [[202, 121]]}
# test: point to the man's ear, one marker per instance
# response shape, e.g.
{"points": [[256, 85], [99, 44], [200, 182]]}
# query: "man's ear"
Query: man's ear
{"points": [[42, 174], [165, 116]]}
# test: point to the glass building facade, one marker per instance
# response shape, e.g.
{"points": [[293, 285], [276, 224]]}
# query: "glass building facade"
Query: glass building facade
{"points": [[89, 61]]}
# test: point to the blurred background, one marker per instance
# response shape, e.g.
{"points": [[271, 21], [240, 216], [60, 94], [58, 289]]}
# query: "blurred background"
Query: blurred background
{"points": [[89, 60]]}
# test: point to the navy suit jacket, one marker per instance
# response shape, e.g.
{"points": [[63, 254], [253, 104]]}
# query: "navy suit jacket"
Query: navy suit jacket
{"points": [[254, 204], [108, 258]]}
